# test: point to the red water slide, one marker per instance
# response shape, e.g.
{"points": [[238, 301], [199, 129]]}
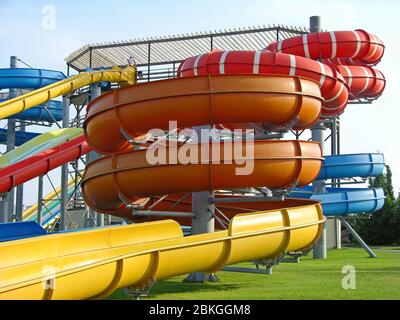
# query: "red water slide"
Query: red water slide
{"points": [[42, 163], [352, 53], [333, 86]]}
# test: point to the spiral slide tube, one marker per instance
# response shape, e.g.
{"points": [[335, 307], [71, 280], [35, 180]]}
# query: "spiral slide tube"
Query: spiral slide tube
{"points": [[335, 202], [333, 86], [115, 257], [352, 53], [345, 201]]}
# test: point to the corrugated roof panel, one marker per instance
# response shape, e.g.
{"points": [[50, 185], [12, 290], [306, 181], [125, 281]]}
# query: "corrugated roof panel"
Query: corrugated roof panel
{"points": [[168, 49]]}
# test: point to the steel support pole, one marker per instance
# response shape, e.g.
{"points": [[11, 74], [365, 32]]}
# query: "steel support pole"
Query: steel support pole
{"points": [[3, 208], [40, 200], [319, 251], [203, 222], [317, 132], [11, 128], [98, 219], [335, 151], [64, 225], [315, 24], [19, 206], [358, 238]]}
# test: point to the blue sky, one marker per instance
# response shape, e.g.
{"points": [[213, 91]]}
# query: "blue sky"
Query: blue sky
{"points": [[365, 128]]}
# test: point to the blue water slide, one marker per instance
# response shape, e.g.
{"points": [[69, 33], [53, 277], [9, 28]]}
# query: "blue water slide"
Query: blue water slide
{"points": [[39, 113], [20, 230], [352, 165], [345, 201], [20, 137], [22, 78]]}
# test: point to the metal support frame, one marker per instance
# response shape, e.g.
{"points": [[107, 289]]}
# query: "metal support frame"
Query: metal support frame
{"points": [[150, 213], [11, 128], [358, 238], [257, 270], [3, 208], [317, 132], [64, 172], [335, 150], [94, 219], [204, 220], [40, 201], [19, 201], [319, 251]]}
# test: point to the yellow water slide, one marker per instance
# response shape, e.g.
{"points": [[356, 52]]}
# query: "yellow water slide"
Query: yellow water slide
{"points": [[126, 75], [94, 263]]}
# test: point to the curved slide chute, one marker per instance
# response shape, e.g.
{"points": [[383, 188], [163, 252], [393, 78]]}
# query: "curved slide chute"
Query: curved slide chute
{"points": [[41, 163], [345, 201], [359, 46], [362, 165], [133, 256], [333, 86], [32, 79], [289, 227], [117, 257], [39, 144], [53, 113], [352, 53], [128, 113], [126, 75]]}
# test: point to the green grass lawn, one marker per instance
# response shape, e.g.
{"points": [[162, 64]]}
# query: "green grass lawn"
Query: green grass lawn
{"points": [[309, 279]]}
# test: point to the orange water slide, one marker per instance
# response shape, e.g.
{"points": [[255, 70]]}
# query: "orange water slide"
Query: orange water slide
{"points": [[116, 117], [125, 176]]}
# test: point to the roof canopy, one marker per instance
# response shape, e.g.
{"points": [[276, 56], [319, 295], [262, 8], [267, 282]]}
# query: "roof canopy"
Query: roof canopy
{"points": [[174, 49]]}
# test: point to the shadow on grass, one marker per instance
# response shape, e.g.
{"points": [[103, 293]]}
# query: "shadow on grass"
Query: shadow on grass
{"points": [[184, 287], [172, 287]]}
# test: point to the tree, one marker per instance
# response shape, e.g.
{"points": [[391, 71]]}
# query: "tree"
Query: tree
{"points": [[383, 228]]}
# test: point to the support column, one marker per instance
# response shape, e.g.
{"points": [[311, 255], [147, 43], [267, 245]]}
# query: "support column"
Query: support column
{"points": [[319, 251], [3, 208], [19, 206], [11, 125], [335, 151], [203, 207], [40, 200], [64, 225], [358, 238], [98, 219]]}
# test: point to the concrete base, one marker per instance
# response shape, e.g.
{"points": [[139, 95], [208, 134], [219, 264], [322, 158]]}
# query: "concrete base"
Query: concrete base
{"points": [[333, 234], [319, 250]]}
